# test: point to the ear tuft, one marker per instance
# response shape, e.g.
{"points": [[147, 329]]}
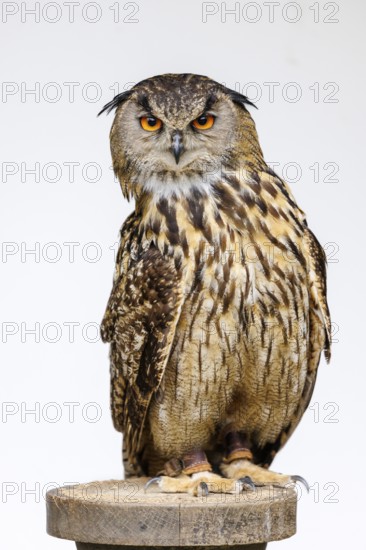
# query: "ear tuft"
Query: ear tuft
{"points": [[116, 102], [239, 99]]}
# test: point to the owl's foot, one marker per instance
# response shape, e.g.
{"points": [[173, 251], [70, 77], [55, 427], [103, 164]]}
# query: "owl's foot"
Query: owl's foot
{"points": [[192, 474], [238, 464], [238, 469], [200, 484]]}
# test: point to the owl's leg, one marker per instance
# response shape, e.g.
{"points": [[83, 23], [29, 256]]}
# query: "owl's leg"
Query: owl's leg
{"points": [[238, 464], [193, 474]]}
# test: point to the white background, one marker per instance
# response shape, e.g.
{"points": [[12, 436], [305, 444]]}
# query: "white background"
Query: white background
{"points": [[319, 127]]}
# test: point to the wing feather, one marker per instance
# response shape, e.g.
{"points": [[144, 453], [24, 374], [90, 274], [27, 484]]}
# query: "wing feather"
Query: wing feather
{"points": [[318, 285], [139, 322], [319, 339]]}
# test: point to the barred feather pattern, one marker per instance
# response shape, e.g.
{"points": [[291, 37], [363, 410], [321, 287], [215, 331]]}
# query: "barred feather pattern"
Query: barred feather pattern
{"points": [[218, 315]]}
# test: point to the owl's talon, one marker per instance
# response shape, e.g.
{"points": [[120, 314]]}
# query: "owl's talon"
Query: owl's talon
{"points": [[151, 481], [247, 482], [299, 479], [203, 489]]}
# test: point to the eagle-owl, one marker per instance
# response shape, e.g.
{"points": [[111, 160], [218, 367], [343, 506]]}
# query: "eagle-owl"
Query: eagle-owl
{"points": [[218, 313]]}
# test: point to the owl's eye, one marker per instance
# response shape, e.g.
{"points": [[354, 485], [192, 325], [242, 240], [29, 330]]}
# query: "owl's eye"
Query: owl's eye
{"points": [[204, 122], [150, 123]]}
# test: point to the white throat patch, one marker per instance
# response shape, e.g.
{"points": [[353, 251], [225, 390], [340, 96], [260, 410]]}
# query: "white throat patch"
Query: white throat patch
{"points": [[180, 186]]}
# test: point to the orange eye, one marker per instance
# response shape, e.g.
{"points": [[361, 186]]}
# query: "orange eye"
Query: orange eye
{"points": [[204, 122], [150, 123]]}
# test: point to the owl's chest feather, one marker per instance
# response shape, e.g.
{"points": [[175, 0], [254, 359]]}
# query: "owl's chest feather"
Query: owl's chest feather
{"points": [[240, 259], [243, 323]]}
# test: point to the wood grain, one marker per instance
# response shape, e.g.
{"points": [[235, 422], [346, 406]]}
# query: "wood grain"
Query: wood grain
{"points": [[118, 512]]}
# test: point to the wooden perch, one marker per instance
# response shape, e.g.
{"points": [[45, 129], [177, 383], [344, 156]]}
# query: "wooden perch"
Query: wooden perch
{"points": [[117, 514]]}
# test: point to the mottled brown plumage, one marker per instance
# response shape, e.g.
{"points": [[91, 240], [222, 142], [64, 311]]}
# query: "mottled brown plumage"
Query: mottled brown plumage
{"points": [[218, 312]]}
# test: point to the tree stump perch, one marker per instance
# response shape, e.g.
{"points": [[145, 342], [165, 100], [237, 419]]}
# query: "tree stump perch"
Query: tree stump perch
{"points": [[118, 514]]}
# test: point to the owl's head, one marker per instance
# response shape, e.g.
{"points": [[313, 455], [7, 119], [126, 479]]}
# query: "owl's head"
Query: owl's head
{"points": [[177, 130]]}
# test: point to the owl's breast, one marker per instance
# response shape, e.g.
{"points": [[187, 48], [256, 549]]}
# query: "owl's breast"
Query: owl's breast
{"points": [[242, 337], [244, 287]]}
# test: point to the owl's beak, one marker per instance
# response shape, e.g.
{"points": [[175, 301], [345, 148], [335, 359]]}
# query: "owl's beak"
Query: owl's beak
{"points": [[177, 145]]}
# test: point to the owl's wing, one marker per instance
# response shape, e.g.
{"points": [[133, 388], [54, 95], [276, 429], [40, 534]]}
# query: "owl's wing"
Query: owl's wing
{"points": [[317, 263], [319, 339], [139, 322], [317, 278]]}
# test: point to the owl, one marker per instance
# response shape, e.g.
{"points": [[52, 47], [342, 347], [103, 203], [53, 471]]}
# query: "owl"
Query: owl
{"points": [[218, 313]]}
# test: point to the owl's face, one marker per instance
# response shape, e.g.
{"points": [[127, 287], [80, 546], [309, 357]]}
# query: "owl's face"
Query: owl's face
{"points": [[172, 128]]}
